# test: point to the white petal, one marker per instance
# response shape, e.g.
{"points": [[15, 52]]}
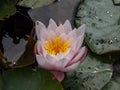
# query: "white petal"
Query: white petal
{"points": [[82, 52], [52, 25], [59, 30], [38, 27], [67, 27], [58, 63], [71, 67], [38, 46], [78, 43], [81, 30], [71, 37], [42, 62]]}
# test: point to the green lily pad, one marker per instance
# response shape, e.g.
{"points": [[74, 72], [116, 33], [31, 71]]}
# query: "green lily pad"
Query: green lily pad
{"points": [[102, 19], [7, 8], [114, 84], [27, 57], [34, 3], [1, 83], [28, 79], [91, 74]]}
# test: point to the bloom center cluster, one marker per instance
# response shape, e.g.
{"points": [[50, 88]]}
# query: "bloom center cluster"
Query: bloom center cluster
{"points": [[56, 45]]}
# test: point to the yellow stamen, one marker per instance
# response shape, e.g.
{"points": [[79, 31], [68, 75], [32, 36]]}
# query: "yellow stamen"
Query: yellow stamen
{"points": [[56, 45]]}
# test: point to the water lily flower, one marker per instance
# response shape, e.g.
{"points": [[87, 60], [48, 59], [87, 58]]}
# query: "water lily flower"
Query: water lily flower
{"points": [[59, 48]]}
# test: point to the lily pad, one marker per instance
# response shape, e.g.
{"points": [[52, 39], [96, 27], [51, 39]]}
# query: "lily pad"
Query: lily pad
{"points": [[7, 8], [34, 3], [102, 19], [91, 74], [28, 79], [114, 84], [1, 83], [27, 57]]}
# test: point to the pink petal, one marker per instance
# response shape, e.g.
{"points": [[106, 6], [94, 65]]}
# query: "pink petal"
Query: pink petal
{"points": [[58, 63], [78, 43], [59, 75], [70, 55], [38, 47], [79, 56], [71, 67], [67, 27], [81, 30], [59, 30], [52, 25], [38, 27], [63, 36], [72, 35], [42, 62]]}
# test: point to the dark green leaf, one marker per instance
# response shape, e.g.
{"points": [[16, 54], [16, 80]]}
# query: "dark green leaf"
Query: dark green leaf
{"points": [[29, 79], [102, 23], [7, 8]]}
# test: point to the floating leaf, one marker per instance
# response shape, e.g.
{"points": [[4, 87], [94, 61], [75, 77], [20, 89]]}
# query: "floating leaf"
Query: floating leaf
{"points": [[28, 56], [28, 79], [103, 28], [7, 8], [91, 73], [114, 84], [34, 3]]}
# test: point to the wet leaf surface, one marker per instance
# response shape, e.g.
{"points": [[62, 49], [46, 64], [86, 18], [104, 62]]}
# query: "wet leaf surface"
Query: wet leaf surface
{"points": [[91, 73], [30, 79], [114, 84], [102, 21]]}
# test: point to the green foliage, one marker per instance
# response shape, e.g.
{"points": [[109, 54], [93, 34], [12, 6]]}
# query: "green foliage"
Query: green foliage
{"points": [[90, 75], [7, 8], [102, 23], [114, 84], [34, 3], [29, 79]]}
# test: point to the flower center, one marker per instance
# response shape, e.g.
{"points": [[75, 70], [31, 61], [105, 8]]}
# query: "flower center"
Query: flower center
{"points": [[56, 45]]}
